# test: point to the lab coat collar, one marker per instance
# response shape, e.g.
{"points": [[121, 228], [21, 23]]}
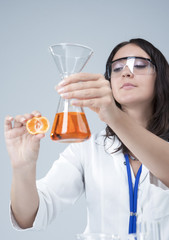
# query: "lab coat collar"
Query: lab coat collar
{"points": [[110, 143], [113, 143]]}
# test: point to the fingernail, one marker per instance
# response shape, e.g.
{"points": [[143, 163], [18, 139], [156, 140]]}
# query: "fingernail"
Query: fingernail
{"points": [[23, 119], [64, 95], [60, 90], [10, 118], [74, 102], [62, 83]]}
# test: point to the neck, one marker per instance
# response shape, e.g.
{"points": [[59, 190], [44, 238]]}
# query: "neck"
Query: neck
{"points": [[139, 115]]}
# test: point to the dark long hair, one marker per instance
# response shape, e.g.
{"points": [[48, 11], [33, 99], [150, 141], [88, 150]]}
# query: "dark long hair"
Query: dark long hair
{"points": [[159, 122]]}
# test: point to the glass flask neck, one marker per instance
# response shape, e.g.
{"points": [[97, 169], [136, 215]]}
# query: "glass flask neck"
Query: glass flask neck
{"points": [[66, 106]]}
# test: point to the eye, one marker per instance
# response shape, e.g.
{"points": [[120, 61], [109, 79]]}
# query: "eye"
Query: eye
{"points": [[117, 67], [140, 64]]}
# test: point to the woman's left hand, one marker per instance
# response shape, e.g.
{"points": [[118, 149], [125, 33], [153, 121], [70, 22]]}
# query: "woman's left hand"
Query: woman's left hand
{"points": [[89, 90]]}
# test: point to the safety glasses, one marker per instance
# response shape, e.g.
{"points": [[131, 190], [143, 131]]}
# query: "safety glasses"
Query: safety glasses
{"points": [[136, 65]]}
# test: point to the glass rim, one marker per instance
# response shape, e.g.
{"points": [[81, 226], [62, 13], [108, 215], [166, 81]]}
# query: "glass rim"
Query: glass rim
{"points": [[70, 44]]}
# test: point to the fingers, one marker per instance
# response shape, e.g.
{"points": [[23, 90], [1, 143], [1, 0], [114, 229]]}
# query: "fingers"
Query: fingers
{"points": [[15, 132], [36, 113], [84, 86], [8, 123], [24, 118], [86, 93], [95, 103], [80, 77], [18, 128], [19, 120], [81, 85], [39, 136]]}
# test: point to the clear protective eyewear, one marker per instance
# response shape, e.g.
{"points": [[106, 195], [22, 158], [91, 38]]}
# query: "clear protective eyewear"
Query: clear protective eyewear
{"points": [[136, 65]]}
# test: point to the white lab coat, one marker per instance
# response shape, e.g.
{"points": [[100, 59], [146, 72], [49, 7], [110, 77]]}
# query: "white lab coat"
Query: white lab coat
{"points": [[93, 168]]}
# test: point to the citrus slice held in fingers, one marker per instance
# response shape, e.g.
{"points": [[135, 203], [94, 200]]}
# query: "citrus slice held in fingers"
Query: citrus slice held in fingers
{"points": [[37, 125]]}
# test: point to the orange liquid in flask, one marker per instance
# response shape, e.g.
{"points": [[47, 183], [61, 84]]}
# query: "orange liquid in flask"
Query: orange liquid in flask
{"points": [[70, 127]]}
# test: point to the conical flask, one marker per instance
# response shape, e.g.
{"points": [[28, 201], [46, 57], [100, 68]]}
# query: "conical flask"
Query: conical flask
{"points": [[70, 123]]}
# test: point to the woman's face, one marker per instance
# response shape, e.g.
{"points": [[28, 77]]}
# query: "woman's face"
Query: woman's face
{"points": [[131, 89]]}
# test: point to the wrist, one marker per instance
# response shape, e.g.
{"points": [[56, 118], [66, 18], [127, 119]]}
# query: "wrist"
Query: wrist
{"points": [[114, 118], [25, 172]]}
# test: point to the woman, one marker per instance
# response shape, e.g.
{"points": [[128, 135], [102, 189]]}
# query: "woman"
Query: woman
{"points": [[133, 100]]}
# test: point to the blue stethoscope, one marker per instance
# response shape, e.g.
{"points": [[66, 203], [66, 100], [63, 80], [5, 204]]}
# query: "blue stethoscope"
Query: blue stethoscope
{"points": [[132, 195]]}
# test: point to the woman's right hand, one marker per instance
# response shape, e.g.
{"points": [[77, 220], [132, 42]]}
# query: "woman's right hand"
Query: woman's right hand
{"points": [[22, 147]]}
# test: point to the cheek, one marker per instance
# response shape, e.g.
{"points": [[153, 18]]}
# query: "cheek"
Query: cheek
{"points": [[115, 86], [150, 86]]}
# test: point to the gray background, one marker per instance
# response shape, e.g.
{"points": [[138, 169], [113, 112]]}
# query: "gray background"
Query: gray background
{"points": [[28, 74]]}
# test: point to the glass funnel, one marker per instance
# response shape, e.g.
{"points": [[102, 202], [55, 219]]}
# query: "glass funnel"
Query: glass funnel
{"points": [[70, 123]]}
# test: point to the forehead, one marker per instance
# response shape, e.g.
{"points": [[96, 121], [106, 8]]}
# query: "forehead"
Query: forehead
{"points": [[130, 50]]}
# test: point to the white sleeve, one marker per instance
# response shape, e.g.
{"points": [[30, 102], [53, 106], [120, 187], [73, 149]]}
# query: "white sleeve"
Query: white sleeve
{"points": [[60, 188], [154, 180]]}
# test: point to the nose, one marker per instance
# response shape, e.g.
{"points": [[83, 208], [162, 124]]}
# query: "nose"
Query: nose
{"points": [[127, 72]]}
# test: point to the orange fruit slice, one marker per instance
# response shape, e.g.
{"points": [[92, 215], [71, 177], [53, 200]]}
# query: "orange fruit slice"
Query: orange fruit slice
{"points": [[37, 125]]}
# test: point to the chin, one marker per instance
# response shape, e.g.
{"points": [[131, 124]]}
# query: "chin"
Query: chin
{"points": [[127, 101]]}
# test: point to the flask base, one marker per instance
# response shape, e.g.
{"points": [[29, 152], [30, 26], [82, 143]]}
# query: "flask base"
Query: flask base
{"points": [[71, 140], [69, 127]]}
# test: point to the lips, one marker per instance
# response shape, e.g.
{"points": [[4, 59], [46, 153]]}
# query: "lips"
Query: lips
{"points": [[128, 86]]}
